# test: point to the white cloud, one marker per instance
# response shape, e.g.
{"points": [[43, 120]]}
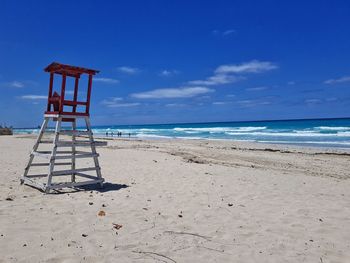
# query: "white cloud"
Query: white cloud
{"points": [[339, 80], [182, 92], [216, 80], [220, 102], [13, 84], [230, 95], [228, 32], [107, 80], [127, 104], [254, 66], [332, 99], [257, 88], [168, 73], [313, 101], [69, 92], [116, 102], [226, 74], [252, 103], [224, 33], [291, 82], [175, 105], [16, 84], [33, 97], [128, 70]]}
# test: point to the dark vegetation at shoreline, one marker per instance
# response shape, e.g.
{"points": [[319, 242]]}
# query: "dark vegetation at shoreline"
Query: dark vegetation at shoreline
{"points": [[6, 130]]}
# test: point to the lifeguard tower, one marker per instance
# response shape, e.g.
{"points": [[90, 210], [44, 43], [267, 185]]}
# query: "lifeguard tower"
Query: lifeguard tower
{"points": [[64, 111]]}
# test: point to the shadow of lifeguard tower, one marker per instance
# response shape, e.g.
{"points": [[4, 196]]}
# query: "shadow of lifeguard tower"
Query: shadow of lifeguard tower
{"points": [[63, 145]]}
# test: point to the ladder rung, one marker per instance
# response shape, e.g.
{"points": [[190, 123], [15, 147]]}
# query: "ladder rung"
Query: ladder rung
{"points": [[86, 176], [46, 141], [74, 132], [78, 154], [80, 143], [43, 154], [36, 175], [84, 155], [63, 185], [72, 171]]}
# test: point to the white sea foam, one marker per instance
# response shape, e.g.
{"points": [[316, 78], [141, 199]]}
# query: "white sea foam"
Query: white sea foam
{"points": [[142, 135], [148, 130], [329, 128], [219, 129], [309, 142], [293, 134]]}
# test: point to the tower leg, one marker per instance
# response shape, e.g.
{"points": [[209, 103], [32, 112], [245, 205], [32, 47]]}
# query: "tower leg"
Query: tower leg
{"points": [[93, 149], [53, 154], [74, 127], [36, 145]]}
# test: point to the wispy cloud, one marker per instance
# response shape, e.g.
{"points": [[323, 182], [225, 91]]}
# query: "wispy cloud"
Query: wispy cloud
{"points": [[252, 103], [175, 105], [218, 79], [291, 82], [182, 92], [230, 73], [224, 32], [16, 84], [128, 70], [33, 97], [339, 80], [106, 80], [13, 84], [331, 99], [257, 88], [220, 102], [313, 101], [254, 66], [168, 73], [116, 102], [228, 32], [69, 92]]}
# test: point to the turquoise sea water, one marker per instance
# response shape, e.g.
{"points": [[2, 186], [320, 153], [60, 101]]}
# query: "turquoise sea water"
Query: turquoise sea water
{"points": [[323, 132]]}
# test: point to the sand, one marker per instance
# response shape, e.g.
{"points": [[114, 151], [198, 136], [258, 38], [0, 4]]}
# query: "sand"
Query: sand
{"points": [[183, 201]]}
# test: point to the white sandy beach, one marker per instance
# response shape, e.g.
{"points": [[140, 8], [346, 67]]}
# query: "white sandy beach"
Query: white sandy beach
{"points": [[183, 201]]}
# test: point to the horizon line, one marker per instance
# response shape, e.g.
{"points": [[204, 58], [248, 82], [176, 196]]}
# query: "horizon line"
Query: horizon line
{"points": [[181, 123]]}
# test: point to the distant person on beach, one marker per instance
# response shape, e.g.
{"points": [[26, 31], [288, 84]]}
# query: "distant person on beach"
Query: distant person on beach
{"points": [[107, 134], [129, 134]]}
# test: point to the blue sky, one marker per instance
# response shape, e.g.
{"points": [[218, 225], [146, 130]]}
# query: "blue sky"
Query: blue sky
{"points": [[180, 61]]}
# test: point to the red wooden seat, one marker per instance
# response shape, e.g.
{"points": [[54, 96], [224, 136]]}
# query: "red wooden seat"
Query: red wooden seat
{"points": [[56, 102]]}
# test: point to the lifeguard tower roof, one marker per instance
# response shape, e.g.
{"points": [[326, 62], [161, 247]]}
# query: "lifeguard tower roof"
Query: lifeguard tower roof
{"points": [[68, 70]]}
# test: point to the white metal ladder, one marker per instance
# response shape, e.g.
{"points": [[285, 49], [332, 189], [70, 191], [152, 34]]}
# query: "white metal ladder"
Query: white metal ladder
{"points": [[71, 155]]}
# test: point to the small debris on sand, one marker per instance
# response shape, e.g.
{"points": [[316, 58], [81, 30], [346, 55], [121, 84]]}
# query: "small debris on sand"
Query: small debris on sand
{"points": [[91, 203], [102, 213], [230, 204], [9, 199], [179, 216], [117, 226], [84, 235]]}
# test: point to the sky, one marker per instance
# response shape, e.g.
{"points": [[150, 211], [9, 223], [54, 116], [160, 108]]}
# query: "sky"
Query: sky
{"points": [[180, 61]]}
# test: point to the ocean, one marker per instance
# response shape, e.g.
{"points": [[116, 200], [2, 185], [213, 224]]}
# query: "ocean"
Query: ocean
{"points": [[319, 132]]}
